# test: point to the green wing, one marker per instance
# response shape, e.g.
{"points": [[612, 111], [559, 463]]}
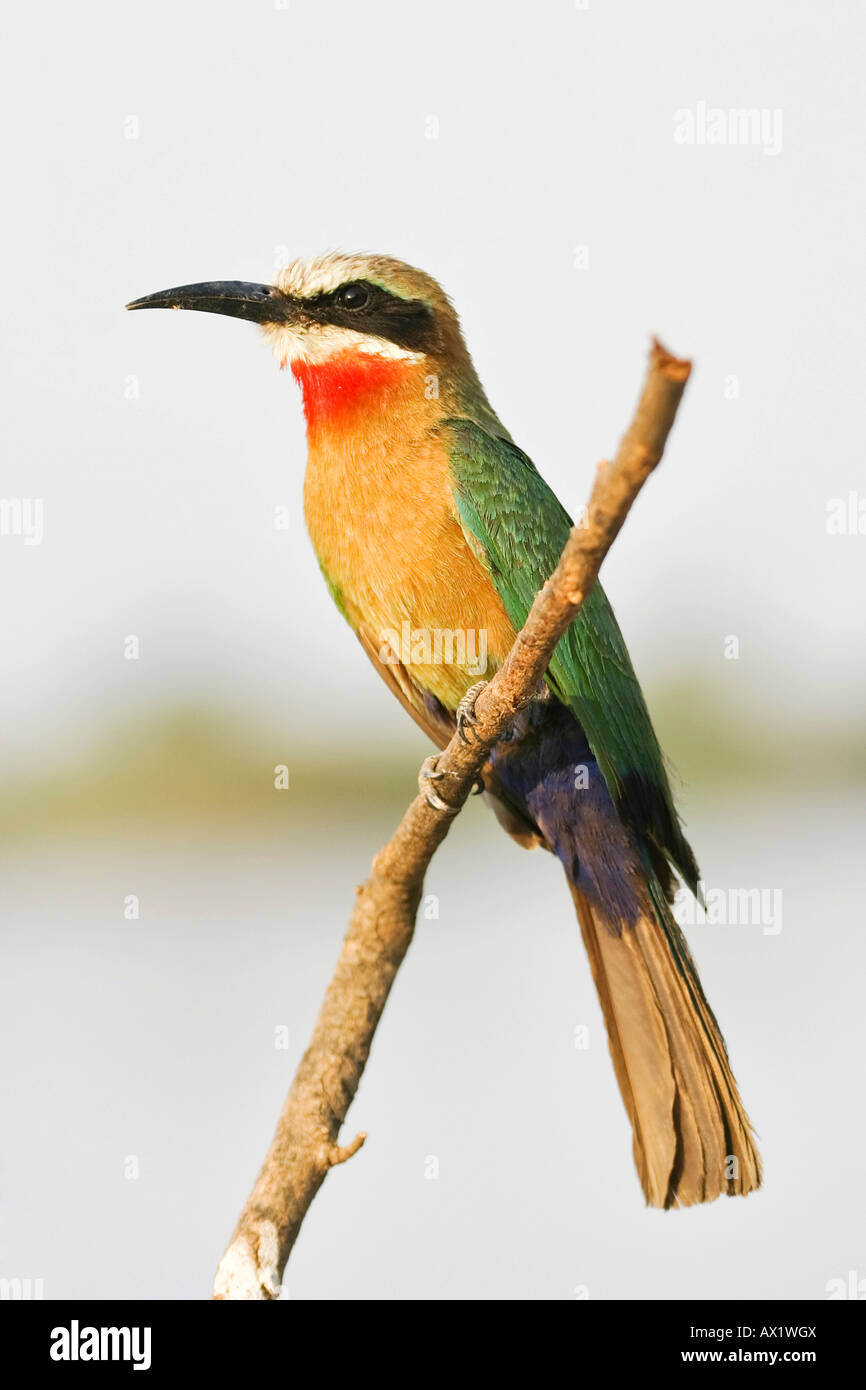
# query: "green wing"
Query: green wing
{"points": [[515, 522]]}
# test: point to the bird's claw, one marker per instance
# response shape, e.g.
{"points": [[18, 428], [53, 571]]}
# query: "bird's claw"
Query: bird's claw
{"points": [[430, 773], [466, 717]]}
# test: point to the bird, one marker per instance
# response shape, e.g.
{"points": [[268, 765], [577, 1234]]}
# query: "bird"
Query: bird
{"points": [[428, 521]]}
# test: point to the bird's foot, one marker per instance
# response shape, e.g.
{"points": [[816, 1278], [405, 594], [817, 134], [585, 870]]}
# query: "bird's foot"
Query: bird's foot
{"points": [[430, 773], [466, 718]]}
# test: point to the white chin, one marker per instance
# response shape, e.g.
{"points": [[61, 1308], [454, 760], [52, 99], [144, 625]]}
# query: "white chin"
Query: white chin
{"points": [[321, 342]]}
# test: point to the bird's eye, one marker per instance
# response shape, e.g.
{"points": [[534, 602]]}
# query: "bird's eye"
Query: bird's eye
{"points": [[354, 296]]}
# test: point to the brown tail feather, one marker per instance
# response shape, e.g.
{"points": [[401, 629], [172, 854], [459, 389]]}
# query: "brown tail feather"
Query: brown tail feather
{"points": [[692, 1137]]}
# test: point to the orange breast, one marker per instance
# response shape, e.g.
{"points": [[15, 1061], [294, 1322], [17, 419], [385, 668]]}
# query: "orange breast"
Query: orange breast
{"points": [[381, 516]]}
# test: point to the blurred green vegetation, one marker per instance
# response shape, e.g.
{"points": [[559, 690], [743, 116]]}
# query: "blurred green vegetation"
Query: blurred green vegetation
{"points": [[709, 743], [190, 766]]}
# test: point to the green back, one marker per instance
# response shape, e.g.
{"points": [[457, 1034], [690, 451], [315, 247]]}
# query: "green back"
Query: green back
{"points": [[516, 524]]}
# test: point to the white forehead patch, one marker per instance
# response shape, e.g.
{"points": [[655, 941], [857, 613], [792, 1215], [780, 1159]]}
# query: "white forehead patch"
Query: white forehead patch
{"points": [[321, 274]]}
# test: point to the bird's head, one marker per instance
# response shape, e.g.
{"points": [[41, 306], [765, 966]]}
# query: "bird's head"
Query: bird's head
{"points": [[352, 315]]}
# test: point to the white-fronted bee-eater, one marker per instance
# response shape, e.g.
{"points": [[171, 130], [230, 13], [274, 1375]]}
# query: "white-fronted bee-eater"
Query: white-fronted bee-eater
{"points": [[427, 518]]}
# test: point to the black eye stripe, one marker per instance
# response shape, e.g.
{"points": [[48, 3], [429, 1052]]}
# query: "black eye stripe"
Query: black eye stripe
{"points": [[409, 323], [331, 298]]}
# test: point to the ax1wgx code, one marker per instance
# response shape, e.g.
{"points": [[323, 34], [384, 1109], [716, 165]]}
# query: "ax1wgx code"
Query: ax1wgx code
{"points": [[76, 1343]]}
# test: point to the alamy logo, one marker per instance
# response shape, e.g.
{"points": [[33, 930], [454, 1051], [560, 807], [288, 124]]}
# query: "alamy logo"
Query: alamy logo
{"points": [[853, 1287], [76, 1343], [736, 125], [18, 1290], [730, 907], [24, 517], [438, 646]]}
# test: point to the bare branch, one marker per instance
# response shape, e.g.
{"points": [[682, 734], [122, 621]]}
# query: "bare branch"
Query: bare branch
{"points": [[305, 1146]]}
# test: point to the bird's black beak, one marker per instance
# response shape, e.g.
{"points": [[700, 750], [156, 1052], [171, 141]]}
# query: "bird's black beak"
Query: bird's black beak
{"points": [[237, 298]]}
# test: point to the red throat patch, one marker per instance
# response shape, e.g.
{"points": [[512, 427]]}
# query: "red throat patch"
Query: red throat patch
{"points": [[346, 383]]}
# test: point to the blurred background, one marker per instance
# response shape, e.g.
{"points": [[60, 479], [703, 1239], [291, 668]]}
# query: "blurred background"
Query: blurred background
{"points": [[170, 918]]}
